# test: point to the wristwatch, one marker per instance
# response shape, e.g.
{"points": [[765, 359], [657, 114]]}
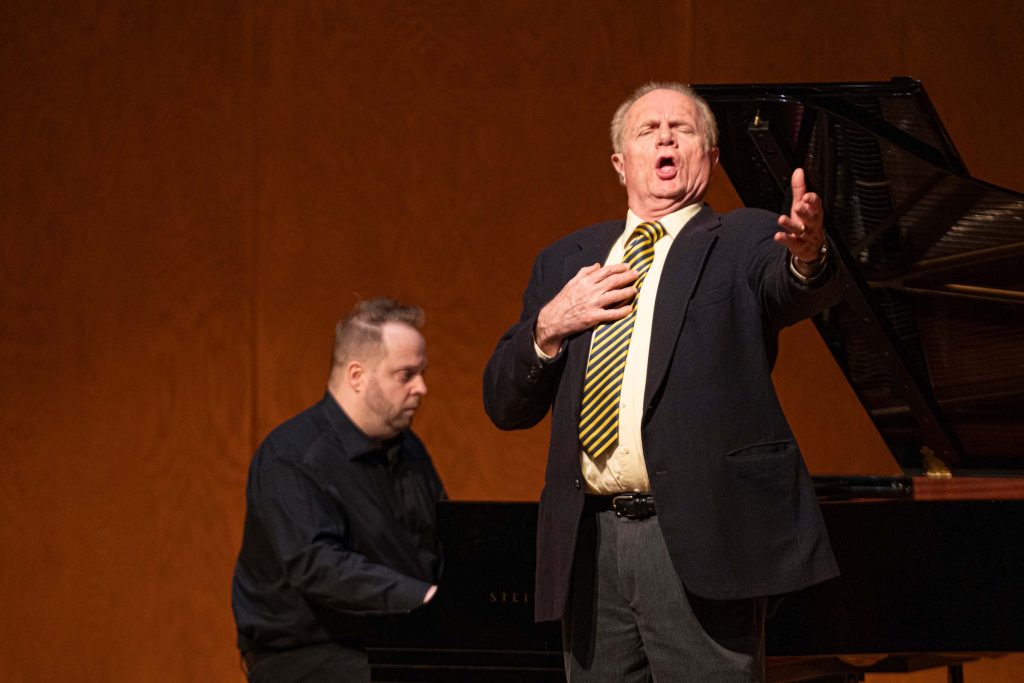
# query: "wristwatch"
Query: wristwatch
{"points": [[818, 264]]}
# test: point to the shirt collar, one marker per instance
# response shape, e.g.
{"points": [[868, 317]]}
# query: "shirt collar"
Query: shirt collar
{"points": [[353, 441], [673, 222]]}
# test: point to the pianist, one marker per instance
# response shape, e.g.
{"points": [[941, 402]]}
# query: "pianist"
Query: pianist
{"points": [[340, 510], [675, 497]]}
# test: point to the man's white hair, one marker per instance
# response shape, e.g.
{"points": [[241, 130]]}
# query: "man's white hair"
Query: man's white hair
{"points": [[707, 119]]}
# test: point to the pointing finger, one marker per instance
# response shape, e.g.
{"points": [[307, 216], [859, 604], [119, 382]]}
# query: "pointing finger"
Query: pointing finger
{"points": [[799, 185]]}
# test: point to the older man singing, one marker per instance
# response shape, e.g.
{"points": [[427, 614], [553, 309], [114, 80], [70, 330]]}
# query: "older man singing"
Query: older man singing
{"points": [[676, 499]]}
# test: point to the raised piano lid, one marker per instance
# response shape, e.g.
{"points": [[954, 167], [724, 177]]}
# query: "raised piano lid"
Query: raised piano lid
{"points": [[931, 335]]}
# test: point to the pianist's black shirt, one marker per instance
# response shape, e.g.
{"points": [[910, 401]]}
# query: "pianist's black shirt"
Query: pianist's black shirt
{"points": [[336, 530]]}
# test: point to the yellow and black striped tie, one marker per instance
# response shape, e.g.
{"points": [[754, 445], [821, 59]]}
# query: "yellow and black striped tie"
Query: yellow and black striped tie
{"points": [[602, 385]]}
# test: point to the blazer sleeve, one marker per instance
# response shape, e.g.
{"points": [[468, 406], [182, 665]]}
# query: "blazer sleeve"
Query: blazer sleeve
{"points": [[519, 386], [783, 297]]}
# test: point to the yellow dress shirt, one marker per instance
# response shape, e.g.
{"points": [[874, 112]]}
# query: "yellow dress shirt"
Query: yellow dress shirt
{"points": [[623, 469]]}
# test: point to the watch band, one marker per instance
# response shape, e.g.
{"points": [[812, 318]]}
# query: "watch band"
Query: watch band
{"points": [[818, 264]]}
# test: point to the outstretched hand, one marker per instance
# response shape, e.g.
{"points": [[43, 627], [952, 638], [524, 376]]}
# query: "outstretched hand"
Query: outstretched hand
{"points": [[803, 229]]}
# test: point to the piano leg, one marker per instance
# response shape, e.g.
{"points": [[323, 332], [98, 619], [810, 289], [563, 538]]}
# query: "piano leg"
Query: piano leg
{"points": [[956, 673]]}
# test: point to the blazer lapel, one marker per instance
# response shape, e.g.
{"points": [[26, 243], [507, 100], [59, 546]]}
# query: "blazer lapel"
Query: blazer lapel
{"points": [[593, 249], [683, 268]]}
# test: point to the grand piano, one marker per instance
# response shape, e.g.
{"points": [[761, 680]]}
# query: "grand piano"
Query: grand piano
{"points": [[930, 338]]}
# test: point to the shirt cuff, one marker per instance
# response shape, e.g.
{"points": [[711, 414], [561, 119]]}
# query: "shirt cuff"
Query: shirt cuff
{"points": [[545, 357]]}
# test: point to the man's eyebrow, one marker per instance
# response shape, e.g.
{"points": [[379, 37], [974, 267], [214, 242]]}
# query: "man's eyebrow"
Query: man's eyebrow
{"points": [[412, 367]]}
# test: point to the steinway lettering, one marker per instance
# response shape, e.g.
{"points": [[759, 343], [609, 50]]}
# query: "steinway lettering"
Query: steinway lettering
{"points": [[508, 598]]}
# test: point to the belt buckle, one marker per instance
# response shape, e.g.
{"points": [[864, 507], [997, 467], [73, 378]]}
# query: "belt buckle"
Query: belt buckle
{"points": [[627, 501], [633, 505]]}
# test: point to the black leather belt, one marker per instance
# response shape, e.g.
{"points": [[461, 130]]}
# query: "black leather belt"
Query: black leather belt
{"points": [[628, 505]]}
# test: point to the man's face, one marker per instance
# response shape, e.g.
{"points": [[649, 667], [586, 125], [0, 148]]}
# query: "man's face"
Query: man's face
{"points": [[663, 162], [395, 385]]}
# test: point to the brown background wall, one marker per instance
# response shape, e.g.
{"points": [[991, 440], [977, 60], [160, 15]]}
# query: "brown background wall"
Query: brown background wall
{"points": [[191, 196]]}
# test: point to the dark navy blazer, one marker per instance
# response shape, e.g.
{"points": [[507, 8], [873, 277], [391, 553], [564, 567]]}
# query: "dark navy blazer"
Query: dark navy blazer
{"points": [[735, 503]]}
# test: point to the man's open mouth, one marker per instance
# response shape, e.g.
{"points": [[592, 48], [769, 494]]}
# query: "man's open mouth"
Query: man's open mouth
{"points": [[666, 167]]}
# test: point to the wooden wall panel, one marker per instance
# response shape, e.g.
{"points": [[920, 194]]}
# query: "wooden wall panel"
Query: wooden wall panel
{"points": [[968, 58], [191, 196], [434, 166], [126, 213]]}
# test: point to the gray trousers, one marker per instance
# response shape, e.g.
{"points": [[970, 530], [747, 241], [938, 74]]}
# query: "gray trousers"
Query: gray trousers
{"points": [[630, 619]]}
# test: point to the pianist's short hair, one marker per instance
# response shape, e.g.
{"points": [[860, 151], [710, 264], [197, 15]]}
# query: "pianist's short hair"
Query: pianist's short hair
{"points": [[707, 119], [357, 336]]}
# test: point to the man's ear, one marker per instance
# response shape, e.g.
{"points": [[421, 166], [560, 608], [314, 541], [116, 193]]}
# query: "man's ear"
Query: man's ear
{"points": [[619, 164], [713, 154], [355, 375]]}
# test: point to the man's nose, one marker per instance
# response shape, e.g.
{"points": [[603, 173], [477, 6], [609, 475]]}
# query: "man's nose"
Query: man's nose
{"points": [[420, 386], [664, 134]]}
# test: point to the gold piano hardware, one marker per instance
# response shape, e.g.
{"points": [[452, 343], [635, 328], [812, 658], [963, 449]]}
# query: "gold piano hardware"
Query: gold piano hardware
{"points": [[508, 598], [933, 465]]}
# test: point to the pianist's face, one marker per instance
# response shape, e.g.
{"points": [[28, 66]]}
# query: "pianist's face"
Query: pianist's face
{"points": [[395, 385], [664, 162]]}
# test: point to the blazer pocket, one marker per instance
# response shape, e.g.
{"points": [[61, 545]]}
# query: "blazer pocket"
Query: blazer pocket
{"points": [[773, 460], [712, 296], [764, 480]]}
